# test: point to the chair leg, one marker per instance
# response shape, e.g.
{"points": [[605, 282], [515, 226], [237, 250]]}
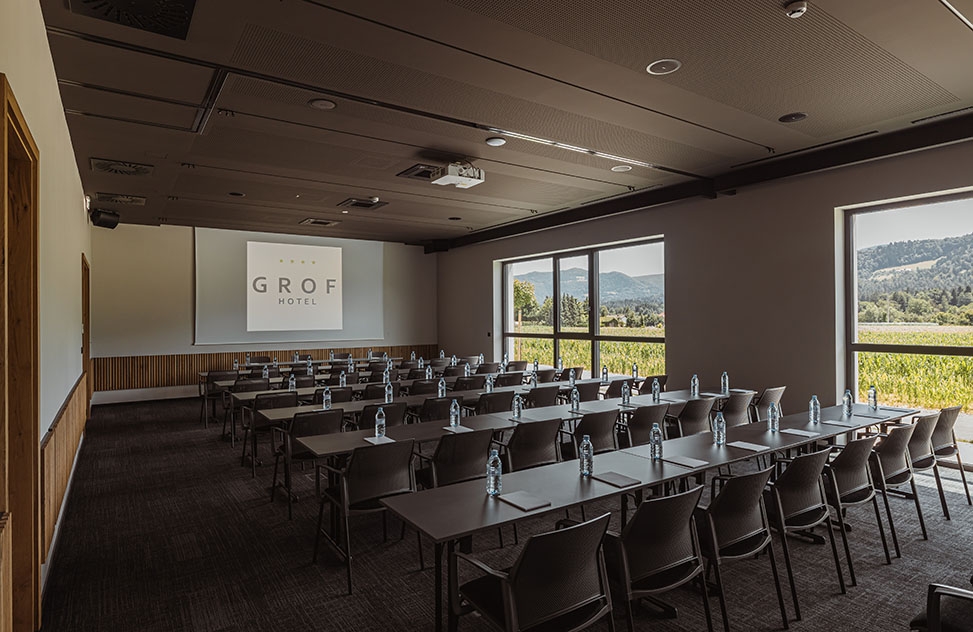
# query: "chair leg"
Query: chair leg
{"points": [[273, 486], [516, 542], [347, 540], [317, 533], [942, 495], [962, 475], [888, 513], [790, 573], [287, 487], [844, 542], [253, 454], [629, 615], [422, 562], [719, 586], [837, 564], [500, 535], [246, 437], [881, 531], [704, 589], [915, 496], [780, 593]]}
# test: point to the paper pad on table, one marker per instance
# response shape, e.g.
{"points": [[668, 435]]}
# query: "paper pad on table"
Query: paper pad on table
{"points": [[525, 501], [615, 479]]}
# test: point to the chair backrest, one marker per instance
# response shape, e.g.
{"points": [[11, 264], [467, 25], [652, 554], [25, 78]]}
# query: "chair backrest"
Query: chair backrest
{"points": [[461, 456], [509, 379], [799, 486], [377, 366], [471, 383], [304, 357], [283, 399], [600, 428], [435, 408], [660, 534], [424, 387], [736, 410], [920, 445], [566, 373], [379, 376], [394, 415], [736, 511], [517, 365], [338, 395], [488, 367], [408, 365], [532, 444], [893, 451], [379, 471], [335, 378], [694, 417], [646, 388], [588, 391], [341, 356], [377, 390], [615, 388], [260, 359], [439, 362], [454, 371], [304, 381], [641, 420], [849, 470], [316, 422], [546, 375], [943, 437], [272, 371], [248, 385], [542, 396], [770, 396], [559, 571], [496, 402], [416, 374], [221, 376]]}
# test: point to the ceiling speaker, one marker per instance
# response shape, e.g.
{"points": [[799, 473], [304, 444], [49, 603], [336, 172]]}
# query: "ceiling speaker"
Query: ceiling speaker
{"points": [[104, 219]]}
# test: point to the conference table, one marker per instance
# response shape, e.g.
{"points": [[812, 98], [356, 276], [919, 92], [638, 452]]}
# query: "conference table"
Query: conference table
{"points": [[448, 514]]}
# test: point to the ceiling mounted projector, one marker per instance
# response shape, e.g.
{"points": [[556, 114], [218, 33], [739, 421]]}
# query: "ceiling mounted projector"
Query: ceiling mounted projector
{"points": [[459, 175]]}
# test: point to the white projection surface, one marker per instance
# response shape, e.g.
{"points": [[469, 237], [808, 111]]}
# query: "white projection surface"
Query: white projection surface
{"points": [[265, 287]]}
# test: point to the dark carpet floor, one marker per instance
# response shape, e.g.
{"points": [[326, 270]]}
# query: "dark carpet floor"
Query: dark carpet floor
{"points": [[164, 530]]}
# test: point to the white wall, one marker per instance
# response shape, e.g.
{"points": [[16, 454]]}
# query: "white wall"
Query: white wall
{"points": [[25, 59], [753, 281], [143, 287]]}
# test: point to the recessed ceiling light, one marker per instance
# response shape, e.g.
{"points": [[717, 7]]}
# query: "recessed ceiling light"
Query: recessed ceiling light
{"points": [[795, 9], [455, 219], [621, 168], [345, 212], [322, 104], [496, 141], [663, 67], [793, 117], [237, 194], [297, 196]]}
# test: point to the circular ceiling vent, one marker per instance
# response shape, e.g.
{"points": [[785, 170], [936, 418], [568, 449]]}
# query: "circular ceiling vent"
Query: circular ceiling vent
{"points": [[663, 67]]}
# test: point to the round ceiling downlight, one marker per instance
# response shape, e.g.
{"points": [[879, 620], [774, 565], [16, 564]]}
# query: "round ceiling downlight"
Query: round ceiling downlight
{"points": [[455, 219], [237, 194], [621, 168], [496, 141], [322, 104], [663, 67], [793, 117]]}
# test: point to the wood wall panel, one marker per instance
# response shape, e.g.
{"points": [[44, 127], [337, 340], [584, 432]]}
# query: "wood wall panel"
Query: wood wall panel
{"points": [[6, 576], [58, 449], [122, 373]]}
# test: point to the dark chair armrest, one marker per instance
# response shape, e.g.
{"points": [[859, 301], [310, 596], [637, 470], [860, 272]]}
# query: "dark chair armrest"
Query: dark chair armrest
{"points": [[482, 566], [934, 597]]}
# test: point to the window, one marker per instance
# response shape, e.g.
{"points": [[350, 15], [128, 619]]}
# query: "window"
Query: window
{"points": [[594, 307], [910, 321]]}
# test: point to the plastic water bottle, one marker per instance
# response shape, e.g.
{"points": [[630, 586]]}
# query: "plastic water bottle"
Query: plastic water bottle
{"points": [[275, 361], [773, 416], [719, 430], [422, 363], [385, 377], [725, 384], [536, 365], [466, 370], [494, 471], [560, 363], [847, 403], [441, 389], [385, 355], [236, 364], [342, 379], [575, 399], [872, 397], [635, 371], [533, 379], [489, 384], [479, 359], [326, 399], [265, 373], [331, 355], [604, 374], [388, 364], [351, 365], [572, 377], [310, 368], [442, 354], [626, 393], [518, 406], [369, 353], [412, 356], [388, 392], [452, 360], [380, 422], [429, 372], [694, 386], [454, 414], [297, 357], [587, 453], [292, 382], [248, 358], [655, 443], [656, 391], [814, 410]]}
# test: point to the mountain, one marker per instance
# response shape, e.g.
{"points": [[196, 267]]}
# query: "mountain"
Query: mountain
{"points": [[912, 266], [614, 286]]}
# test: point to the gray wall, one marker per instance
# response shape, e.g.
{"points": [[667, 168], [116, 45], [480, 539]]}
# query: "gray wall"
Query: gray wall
{"points": [[754, 282]]}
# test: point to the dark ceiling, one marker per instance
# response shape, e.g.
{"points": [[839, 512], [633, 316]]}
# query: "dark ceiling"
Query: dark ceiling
{"points": [[186, 102]]}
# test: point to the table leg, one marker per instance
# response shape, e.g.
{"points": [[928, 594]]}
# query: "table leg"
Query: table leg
{"points": [[452, 588], [438, 553]]}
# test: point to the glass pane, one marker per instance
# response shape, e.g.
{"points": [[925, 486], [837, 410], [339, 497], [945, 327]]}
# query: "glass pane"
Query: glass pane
{"points": [[577, 353], [530, 349], [619, 356], [920, 381], [631, 291], [530, 297], [914, 273], [574, 294]]}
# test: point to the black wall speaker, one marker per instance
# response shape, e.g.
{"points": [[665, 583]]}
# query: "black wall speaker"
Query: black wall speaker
{"points": [[104, 219]]}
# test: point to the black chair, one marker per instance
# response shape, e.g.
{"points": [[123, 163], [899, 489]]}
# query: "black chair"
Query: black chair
{"points": [[509, 379], [394, 415], [210, 393], [379, 376], [471, 383], [891, 468], [487, 367], [735, 526], [546, 376], [304, 381], [458, 457], [944, 442], [848, 483], [541, 396], [923, 456], [334, 378], [303, 424], [454, 371], [517, 365], [424, 387], [565, 375], [436, 408], [305, 357], [416, 374], [531, 444], [615, 388], [657, 551], [370, 474], [253, 425], [339, 395], [242, 385], [260, 359], [588, 391], [408, 365], [640, 421], [796, 502], [377, 366], [761, 404], [496, 402], [600, 428], [694, 417], [646, 388], [342, 356], [558, 582], [948, 609], [736, 408], [272, 371], [377, 390]]}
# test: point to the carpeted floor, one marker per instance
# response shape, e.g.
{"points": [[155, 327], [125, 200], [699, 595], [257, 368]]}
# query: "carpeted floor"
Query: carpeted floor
{"points": [[164, 530]]}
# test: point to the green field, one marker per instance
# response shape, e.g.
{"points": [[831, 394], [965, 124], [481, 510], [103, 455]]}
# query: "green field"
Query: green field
{"points": [[618, 356]]}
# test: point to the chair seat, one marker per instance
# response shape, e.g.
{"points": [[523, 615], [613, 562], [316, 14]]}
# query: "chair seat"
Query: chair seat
{"points": [[924, 463], [485, 594], [955, 615], [807, 519], [946, 452], [857, 496], [372, 504], [745, 547], [668, 578], [898, 479]]}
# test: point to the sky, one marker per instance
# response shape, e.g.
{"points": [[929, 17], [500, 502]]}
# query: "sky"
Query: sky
{"points": [[935, 221], [632, 260]]}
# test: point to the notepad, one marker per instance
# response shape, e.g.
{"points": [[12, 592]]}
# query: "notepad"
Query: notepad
{"points": [[800, 433], [685, 461], [525, 501], [712, 395], [838, 422], [880, 417], [744, 445], [378, 440], [457, 429], [897, 410], [615, 479]]}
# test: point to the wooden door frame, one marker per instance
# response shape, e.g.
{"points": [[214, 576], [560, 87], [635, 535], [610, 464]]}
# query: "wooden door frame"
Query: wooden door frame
{"points": [[86, 324], [19, 351]]}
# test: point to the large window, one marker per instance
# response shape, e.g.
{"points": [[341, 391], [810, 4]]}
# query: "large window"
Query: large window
{"points": [[910, 322], [595, 307]]}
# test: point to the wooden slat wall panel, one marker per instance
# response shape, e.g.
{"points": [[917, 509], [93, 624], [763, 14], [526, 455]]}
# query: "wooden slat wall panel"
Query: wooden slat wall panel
{"points": [[58, 449], [122, 373], [6, 576]]}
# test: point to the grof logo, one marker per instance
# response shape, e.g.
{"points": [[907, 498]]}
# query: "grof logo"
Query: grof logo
{"points": [[307, 289]]}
